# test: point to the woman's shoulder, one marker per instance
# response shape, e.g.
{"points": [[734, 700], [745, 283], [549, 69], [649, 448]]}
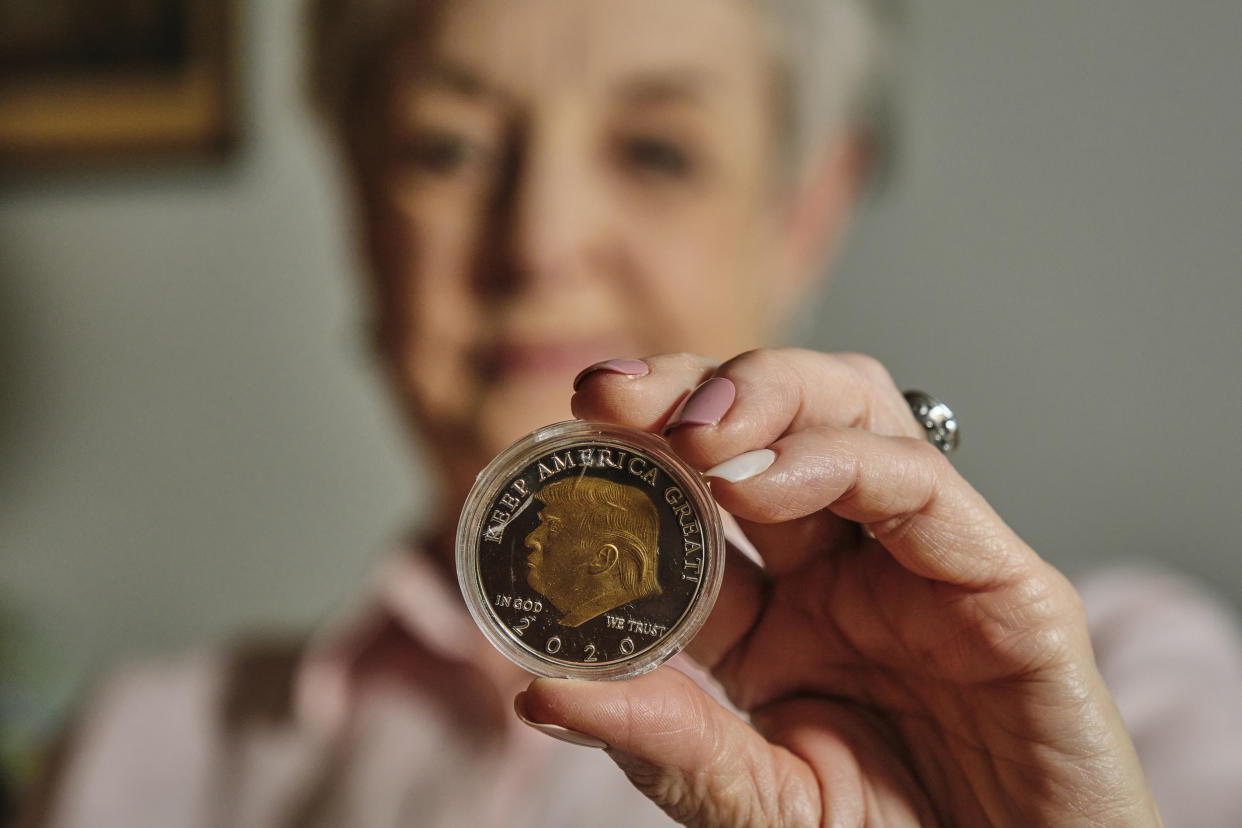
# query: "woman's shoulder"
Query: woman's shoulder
{"points": [[1170, 650], [1140, 610], [218, 688], [157, 730]]}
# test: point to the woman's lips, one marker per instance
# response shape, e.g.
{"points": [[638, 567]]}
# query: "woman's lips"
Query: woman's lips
{"points": [[555, 359]]}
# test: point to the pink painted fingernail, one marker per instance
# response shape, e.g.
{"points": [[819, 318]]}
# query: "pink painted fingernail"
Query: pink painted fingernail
{"points": [[556, 731], [629, 367], [706, 405]]}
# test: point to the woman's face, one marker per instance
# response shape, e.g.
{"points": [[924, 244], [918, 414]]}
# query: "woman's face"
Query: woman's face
{"points": [[557, 182]]}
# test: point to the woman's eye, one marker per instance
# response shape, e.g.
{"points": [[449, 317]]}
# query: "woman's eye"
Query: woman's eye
{"points": [[441, 153], [657, 155]]}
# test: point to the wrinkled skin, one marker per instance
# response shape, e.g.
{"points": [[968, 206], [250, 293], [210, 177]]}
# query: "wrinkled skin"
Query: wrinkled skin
{"points": [[938, 673]]}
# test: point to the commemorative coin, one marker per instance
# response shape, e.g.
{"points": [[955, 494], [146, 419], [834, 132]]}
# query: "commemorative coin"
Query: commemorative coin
{"points": [[588, 550]]}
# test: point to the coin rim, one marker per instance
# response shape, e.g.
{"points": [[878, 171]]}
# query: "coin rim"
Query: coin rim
{"points": [[496, 475]]}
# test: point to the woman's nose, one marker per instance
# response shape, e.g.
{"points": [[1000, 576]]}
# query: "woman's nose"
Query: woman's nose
{"points": [[549, 216]]}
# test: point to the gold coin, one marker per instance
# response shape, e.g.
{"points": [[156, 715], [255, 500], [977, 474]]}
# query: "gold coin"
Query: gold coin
{"points": [[589, 550]]}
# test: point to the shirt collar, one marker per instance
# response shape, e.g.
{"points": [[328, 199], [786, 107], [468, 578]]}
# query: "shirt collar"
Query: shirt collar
{"points": [[406, 597]]}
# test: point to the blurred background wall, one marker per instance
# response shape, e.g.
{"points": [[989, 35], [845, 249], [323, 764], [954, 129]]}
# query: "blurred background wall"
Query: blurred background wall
{"points": [[191, 442]]}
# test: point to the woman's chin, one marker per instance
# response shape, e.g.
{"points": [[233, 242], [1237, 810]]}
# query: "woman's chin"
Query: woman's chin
{"points": [[512, 409]]}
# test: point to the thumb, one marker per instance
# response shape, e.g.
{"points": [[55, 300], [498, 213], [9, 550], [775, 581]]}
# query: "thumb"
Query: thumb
{"points": [[696, 760]]}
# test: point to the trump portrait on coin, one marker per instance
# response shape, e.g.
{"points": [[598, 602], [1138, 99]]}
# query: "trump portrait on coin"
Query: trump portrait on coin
{"points": [[596, 547]]}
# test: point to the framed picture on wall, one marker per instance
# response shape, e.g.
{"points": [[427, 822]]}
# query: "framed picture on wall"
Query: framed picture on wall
{"points": [[102, 79]]}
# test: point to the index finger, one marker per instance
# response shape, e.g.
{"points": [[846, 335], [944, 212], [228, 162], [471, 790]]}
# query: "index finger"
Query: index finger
{"points": [[644, 401], [776, 392]]}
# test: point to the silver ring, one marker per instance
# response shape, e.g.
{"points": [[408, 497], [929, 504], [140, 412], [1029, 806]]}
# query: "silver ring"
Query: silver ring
{"points": [[937, 419]]}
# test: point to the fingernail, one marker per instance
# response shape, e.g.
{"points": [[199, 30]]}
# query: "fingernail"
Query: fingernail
{"points": [[629, 367], [744, 466], [556, 731], [706, 405]]}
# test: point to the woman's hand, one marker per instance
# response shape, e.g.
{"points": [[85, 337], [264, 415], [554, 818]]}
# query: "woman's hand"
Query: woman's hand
{"points": [[938, 671]]}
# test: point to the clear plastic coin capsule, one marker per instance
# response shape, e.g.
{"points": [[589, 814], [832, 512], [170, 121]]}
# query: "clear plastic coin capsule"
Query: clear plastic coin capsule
{"points": [[589, 550]]}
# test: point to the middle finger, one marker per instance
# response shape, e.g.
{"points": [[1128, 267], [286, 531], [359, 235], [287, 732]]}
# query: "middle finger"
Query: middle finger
{"points": [[780, 392]]}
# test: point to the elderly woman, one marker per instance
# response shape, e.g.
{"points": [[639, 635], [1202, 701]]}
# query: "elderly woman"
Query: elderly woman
{"points": [[543, 185]]}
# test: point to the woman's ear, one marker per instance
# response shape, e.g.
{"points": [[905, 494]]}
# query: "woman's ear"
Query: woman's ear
{"points": [[821, 201]]}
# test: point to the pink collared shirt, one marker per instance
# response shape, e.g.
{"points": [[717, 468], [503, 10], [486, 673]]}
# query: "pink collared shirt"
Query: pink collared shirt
{"points": [[401, 716]]}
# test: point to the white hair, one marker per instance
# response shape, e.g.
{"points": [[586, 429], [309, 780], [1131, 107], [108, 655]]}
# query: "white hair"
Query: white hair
{"points": [[837, 61]]}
